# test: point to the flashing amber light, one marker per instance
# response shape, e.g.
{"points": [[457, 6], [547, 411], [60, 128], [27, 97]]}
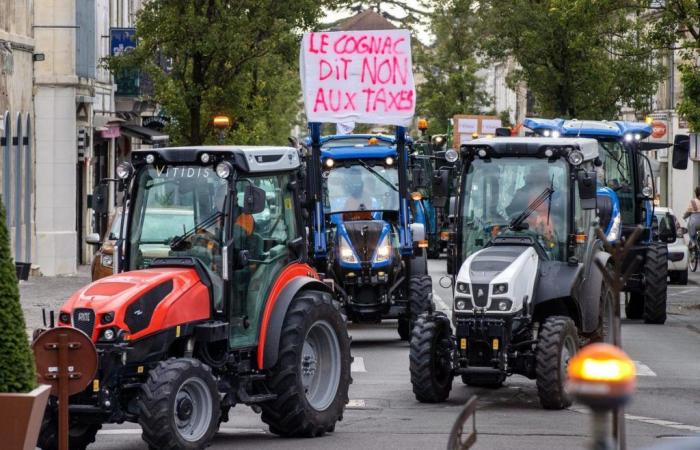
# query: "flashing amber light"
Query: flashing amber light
{"points": [[416, 196], [373, 141], [422, 124], [649, 120], [580, 238], [221, 122], [494, 344], [422, 244], [602, 369], [475, 135]]}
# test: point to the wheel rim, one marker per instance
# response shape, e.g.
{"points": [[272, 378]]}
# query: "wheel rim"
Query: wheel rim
{"points": [[694, 257], [568, 350], [193, 409], [320, 365]]}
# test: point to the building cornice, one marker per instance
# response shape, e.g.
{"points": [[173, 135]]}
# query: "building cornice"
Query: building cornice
{"points": [[18, 42]]}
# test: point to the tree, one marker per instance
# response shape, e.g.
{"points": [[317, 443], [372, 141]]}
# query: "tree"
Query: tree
{"points": [[676, 26], [449, 66], [401, 13], [233, 57], [16, 362], [579, 58]]}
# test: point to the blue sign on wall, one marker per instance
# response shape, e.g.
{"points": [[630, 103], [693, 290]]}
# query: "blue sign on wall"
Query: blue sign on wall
{"points": [[123, 40]]}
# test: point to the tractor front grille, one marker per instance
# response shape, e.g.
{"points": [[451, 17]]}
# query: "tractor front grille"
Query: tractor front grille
{"points": [[480, 293], [84, 320]]}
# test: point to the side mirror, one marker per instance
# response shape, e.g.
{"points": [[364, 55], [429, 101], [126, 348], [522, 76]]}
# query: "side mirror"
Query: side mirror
{"points": [[441, 183], [587, 188], [100, 199], [418, 232], [503, 132], [93, 239], [681, 151], [253, 200], [667, 229]]}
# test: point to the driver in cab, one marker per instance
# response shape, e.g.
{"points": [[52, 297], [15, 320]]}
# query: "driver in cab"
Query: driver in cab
{"points": [[355, 207], [541, 219]]}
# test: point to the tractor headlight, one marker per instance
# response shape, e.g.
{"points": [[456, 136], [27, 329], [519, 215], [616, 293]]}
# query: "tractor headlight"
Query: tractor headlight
{"points": [[500, 288], [556, 134], [150, 158], [463, 288], [108, 335], [501, 304], [346, 252], [383, 252], [575, 158], [124, 170], [107, 260], [224, 169], [451, 155], [463, 304]]}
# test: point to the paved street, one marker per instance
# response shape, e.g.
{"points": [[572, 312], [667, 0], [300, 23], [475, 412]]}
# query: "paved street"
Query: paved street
{"points": [[384, 414]]}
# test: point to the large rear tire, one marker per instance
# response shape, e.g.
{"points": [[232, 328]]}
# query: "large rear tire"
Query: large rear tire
{"points": [[655, 283], [80, 435], [312, 375], [430, 358], [557, 343], [606, 316], [420, 300], [179, 405]]}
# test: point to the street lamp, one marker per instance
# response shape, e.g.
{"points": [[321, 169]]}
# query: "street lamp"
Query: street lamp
{"points": [[602, 377]]}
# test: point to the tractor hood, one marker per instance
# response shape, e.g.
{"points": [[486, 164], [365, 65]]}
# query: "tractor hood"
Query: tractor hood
{"points": [[138, 303], [498, 279], [365, 238]]}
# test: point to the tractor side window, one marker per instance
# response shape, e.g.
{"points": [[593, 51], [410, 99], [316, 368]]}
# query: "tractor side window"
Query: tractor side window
{"points": [[617, 175], [265, 236]]}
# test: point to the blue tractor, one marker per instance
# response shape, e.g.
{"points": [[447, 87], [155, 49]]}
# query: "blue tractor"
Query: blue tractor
{"points": [[365, 237], [625, 201]]}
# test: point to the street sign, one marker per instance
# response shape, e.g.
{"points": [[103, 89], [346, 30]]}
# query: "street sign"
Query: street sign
{"points": [[659, 129], [66, 359], [358, 76]]}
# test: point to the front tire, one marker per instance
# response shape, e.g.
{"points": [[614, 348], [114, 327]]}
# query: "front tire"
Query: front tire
{"points": [[80, 435], [556, 345], [655, 276], [179, 406], [430, 358], [606, 316], [312, 375]]}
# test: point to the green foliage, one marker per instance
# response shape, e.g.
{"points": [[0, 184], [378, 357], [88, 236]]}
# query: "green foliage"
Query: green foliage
{"points": [[16, 362], [401, 13], [233, 57], [690, 103], [579, 58], [449, 66]]}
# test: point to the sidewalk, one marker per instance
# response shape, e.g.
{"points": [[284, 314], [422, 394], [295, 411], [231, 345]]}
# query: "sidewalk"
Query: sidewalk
{"points": [[49, 293]]}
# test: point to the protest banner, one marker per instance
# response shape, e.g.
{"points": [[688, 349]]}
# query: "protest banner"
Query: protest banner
{"points": [[358, 76]]}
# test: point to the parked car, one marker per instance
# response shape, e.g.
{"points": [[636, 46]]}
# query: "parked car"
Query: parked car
{"points": [[677, 250], [102, 262]]}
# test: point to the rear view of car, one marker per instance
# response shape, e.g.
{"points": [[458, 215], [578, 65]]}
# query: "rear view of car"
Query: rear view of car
{"points": [[677, 250]]}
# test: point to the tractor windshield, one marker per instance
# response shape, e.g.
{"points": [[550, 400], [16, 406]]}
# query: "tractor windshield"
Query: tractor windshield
{"points": [[504, 191], [363, 185], [169, 202]]}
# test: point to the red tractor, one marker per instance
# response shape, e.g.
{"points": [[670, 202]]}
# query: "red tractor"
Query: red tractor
{"points": [[213, 304]]}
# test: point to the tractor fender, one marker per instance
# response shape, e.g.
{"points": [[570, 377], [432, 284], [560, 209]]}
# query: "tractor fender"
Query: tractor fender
{"points": [[556, 279], [270, 337], [589, 298]]}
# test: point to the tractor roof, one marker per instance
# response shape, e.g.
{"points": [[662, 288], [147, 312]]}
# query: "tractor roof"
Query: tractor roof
{"points": [[599, 129], [369, 151], [352, 146], [534, 146], [251, 159]]}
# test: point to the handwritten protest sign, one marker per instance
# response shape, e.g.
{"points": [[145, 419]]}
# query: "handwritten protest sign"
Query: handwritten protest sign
{"points": [[358, 76]]}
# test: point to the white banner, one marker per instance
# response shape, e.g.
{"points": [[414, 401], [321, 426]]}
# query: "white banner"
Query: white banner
{"points": [[358, 76]]}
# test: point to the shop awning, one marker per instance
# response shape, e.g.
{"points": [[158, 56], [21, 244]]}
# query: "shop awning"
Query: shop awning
{"points": [[147, 135], [101, 122]]}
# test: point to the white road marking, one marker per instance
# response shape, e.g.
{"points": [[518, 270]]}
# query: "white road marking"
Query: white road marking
{"points": [[356, 404], [441, 305], [643, 370], [651, 421], [358, 365]]}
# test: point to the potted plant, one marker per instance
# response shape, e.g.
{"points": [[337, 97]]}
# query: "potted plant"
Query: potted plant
{"points": [[22, 403]]}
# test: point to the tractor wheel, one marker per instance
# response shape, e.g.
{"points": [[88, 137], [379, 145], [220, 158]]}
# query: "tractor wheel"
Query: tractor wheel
{"points": [[312, 375], [433, 248], [419, 263], [179, 405], [430, 358], [634, 306], [80, 435], [655, 276], [556, 345], [606, 316], [484, 381], [404, 328]]}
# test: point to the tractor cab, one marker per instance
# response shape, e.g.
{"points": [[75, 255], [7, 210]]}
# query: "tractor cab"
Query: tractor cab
{"points": [[212, 299], [626, 192]]}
